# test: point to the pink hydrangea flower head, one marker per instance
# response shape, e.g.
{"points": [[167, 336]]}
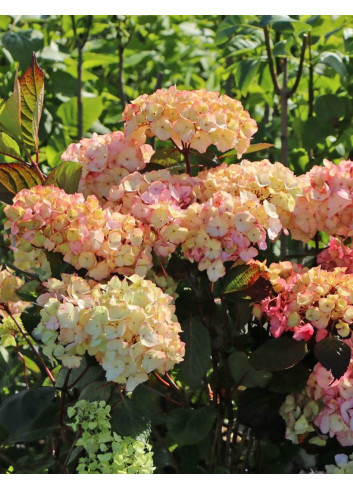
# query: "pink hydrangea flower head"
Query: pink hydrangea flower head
{"points": [[106, 159], [102, 241], [194, 119]]}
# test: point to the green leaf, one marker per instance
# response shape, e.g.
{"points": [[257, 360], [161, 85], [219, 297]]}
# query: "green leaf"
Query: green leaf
{"points": [[227, 28], [30, 414], [284, 23], [335, 62], [87, 373], [197, 358], [245, 374], [65, 176], [22, 43], [9, 147], [190, 426], [32, 96], [13, 178], [258, 409], [278, 354], [208, 159], [247, 69], [30, 318], [97, 391], [292, 380], [92, 107], [330, 106], [31, 365], [166, 157], [128, 419], [240, 278], [251, 149], [10, 113], [28, 291], [334, 355]]}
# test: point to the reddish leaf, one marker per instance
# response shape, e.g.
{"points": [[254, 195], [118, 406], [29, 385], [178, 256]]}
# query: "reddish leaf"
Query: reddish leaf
{"points": [[32, 95], [13, 178], [10, 113]]}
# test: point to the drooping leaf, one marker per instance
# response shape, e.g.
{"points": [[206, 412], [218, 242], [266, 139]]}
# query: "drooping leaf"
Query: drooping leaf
{"points": [[32, 96], [128, 419], [65, 176], [30, 414], [227, 28], [197, 358], [31, 365], [190, 426], [335, 62], [166, 157], [239, 278], [334, 355], [278, 354], [243, 373], [9, 147], [13, 178]]}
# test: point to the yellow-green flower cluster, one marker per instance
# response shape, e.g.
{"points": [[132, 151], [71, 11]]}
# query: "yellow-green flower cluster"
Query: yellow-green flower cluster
{"points": [[106, 451], [128, 325], [343, 465]]}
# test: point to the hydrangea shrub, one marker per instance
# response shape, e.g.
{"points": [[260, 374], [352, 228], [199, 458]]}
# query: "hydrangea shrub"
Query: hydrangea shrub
{"points": [[150, 298]]}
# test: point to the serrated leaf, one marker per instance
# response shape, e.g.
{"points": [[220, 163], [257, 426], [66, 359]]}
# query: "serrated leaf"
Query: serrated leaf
{"points": [[251, 149], [13, 178], [9, 147], [190, 426], [278, 354], [334, 355], [65, 176], [32, 96], [166, 157], [240, 278], [197, 358]]}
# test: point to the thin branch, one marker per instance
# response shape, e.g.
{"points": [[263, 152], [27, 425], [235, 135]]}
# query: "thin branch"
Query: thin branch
{"points": [[270, 61], [30, 344], [300, 68]]}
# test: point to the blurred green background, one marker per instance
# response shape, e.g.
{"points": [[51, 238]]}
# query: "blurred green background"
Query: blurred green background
{"points": [[110, 60]]}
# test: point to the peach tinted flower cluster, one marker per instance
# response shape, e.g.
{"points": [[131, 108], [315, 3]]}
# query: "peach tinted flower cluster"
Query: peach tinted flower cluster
{"points": [[310, 301], [325, 403], [336, 255], [129, 326], [212, 225], [326, 204], [105, 160], [194, 119], [158, 199], [32, 261], [88, 236], [262, 181]]}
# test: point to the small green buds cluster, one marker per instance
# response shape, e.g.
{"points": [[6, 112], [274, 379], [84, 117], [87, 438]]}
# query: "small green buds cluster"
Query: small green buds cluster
{"points": [[106, 451]]}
